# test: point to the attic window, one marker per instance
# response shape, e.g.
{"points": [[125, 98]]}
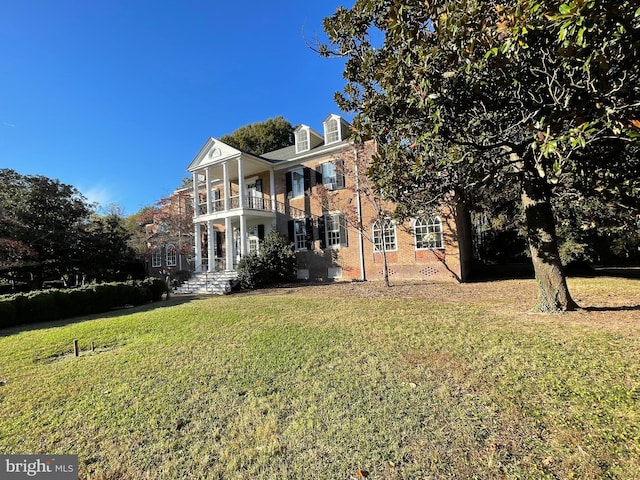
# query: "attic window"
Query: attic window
{"points": [[302, 140], [332, 131]]}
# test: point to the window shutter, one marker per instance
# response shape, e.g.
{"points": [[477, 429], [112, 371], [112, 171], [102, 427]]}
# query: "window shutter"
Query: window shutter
{"points": [[291, 231], [308, 225], [344, 240], [218, 244], [339, 174], [319, 175], [307, 178], [289, 185], [321, 233], [261, 232]]}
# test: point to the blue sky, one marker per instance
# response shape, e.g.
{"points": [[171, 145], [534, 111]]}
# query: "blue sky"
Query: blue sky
{"points": [[116, 97]]}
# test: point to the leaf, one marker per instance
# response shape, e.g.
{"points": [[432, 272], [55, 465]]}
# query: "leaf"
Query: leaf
{"points": [[635, 123], [565, 9]]}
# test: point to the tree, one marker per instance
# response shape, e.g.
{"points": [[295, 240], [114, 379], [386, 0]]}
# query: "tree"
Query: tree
{"points": [[474, 96], [49, 231], [354, 164], [40, 221], [261, 137], [168, 221]]}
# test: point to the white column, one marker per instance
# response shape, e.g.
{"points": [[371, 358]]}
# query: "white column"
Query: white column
{"points": [[241, 185], [207, 177], [272, 187], [196, 197], [211, 241], [228, 234], [243, 235], [198, 239], [227, 190]]}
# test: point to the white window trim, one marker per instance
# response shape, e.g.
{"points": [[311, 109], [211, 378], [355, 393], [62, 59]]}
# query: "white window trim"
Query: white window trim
{"points": [[387, 223], [337, 131], [299, 141], [174, 256], [429, 222], [302, 221], [293, 192], [156, 258], [342, 225]]}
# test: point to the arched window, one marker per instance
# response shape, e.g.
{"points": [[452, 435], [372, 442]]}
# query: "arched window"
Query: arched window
{"points": [[428, 233], [172, 255], [156, 258], [332, 131], [302, 140], [384, 230]]}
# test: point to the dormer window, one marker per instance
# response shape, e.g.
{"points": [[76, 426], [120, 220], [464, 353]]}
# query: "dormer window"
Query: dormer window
{"points": [[302, 140], [332, 130]]}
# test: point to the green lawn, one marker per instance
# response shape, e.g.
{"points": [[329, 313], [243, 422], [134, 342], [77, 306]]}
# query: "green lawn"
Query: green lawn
{"points": [[330, 383]]}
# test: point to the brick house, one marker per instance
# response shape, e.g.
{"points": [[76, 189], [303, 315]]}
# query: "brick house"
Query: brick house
{"points": [[168, 236], [308, 191]]}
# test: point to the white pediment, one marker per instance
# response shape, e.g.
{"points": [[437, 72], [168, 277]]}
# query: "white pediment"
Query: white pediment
{"points": [[214, 151]]}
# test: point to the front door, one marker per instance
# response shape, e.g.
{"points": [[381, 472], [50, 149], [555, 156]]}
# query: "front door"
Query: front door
{"points": [[254, 194]]}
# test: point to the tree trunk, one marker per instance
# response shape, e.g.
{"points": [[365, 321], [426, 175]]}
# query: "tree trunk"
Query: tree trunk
{"points": [[553, 293]]}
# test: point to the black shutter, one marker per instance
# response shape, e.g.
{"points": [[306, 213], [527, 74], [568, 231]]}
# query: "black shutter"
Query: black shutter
{"points": [[339, 174], [219, 244], [260, 232], [319, 175], [289, 185], [290, 226], [309, 233], [321, 233], [307, 178]]}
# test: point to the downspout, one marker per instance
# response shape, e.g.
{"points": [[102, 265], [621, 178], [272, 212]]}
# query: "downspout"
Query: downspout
{"points": [[363, 275]]}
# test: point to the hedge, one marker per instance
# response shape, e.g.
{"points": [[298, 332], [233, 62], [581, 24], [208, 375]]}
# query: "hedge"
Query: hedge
{"points": [[56, 304]]}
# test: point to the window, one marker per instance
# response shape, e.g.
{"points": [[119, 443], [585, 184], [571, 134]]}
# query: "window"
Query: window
{"points": [[297, 182], [384, 235], [332, 175], [172, 255], [300, 234], [332, 131], [428, 233], [336, 230], [302, 141], [156, 258]]}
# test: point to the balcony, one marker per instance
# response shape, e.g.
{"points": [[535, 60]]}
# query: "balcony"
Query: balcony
{"points": [[251, 203]]}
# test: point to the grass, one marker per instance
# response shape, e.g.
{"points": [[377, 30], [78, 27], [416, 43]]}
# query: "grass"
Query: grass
{"points": [[433, 381]]}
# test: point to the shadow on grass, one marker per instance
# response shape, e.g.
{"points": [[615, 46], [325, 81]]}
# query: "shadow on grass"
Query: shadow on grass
{"points": [[622, 308], [117, 312]]}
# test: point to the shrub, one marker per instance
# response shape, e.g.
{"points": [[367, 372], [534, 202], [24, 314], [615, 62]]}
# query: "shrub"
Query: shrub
{"points": [[8, 316], [54, 304], [275, 263], [157, 286]]}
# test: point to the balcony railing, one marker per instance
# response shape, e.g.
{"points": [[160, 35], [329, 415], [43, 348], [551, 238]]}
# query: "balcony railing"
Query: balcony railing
{"points": [[252, 203]]}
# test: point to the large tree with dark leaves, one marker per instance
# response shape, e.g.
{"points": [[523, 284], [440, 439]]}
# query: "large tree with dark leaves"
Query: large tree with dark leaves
{"points": [[261, 137], [48, 230], [478, 96]]}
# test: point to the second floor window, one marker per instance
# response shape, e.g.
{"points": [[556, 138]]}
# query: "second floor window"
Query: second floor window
{"points": [[297, 182], [332, 175]]}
